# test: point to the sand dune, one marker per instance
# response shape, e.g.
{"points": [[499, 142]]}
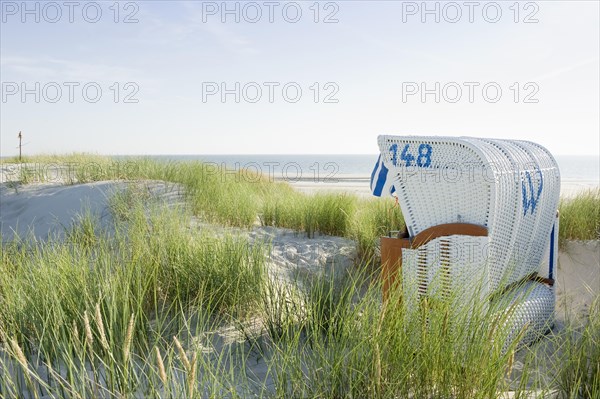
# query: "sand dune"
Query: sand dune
{"points": [[43, 210], [578, 277], [49, 209]]}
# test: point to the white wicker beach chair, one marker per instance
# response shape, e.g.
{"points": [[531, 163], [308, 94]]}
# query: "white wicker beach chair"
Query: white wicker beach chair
{"points": [[509, 187]]}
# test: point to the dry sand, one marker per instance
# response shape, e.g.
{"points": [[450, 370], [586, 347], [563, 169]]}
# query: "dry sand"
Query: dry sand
{"points": [[578, 278], [360, 185], [49, 209]]}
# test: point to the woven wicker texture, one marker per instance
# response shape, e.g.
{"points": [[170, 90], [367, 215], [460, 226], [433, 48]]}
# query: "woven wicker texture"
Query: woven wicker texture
{"points": [[511, 187], [449, 266], [453, 268], [530, 311]]}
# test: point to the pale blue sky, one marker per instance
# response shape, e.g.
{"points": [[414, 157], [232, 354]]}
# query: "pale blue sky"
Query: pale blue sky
{"points": [[369, 56]]}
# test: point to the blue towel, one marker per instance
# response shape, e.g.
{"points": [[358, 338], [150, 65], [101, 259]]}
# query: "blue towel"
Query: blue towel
{"points": [[380, 184]]}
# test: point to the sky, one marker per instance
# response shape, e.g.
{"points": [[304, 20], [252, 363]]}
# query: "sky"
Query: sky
{"points": [[271, 77]]}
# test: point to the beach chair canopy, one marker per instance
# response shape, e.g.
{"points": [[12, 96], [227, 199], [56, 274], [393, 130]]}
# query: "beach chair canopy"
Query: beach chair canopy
{"points": [[510, 187]]}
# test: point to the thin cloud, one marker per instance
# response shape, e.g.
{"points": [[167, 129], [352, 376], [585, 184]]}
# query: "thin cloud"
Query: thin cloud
{"points": [[560, 71], [29, 68], [220, 31], [189, 30]]}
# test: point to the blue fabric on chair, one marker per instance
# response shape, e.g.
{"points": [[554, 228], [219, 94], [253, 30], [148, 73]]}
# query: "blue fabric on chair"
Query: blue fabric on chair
{"points": [[380, 184]]}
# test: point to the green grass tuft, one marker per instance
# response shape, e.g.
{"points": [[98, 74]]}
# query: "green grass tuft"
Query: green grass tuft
{"points": [[580, 216]]}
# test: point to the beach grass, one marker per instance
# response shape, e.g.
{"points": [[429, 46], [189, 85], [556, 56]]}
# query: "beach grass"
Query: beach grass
{"points": [[580, 216], [109, 323], [244, 198], [140, 308], [233, 198], [90, 307]]}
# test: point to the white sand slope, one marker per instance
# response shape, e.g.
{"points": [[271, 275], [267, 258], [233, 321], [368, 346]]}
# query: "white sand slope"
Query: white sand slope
{"points": [[578, 278], [49, 209], [44, 210]]}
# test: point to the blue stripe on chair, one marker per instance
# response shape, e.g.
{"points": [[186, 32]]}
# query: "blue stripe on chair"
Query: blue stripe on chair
{"points": [[374, 171], [381, 180], [551, 262]]}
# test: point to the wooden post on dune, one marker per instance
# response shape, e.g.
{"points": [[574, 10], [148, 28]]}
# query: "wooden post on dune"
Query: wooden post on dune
{"points": [[20, 139]]}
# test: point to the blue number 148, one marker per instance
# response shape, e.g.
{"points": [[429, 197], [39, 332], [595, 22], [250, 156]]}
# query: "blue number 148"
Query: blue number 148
{"points": [[423, 155]]}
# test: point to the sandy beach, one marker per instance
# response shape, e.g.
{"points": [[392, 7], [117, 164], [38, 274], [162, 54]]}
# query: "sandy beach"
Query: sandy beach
{"points": [[359, 185]]}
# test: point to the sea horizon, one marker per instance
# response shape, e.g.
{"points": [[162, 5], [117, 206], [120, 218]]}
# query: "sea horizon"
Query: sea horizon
{"points": [[329, 167], [572, 167]]}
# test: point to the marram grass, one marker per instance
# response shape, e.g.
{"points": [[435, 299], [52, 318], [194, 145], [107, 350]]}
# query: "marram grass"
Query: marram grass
{"points": [[242, 198], [580, 216], [231, 198], [134, 309], [343, 343]]}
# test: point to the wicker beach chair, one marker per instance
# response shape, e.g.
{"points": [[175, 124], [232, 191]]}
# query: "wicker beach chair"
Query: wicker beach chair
{"points": [[481, 221]]}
